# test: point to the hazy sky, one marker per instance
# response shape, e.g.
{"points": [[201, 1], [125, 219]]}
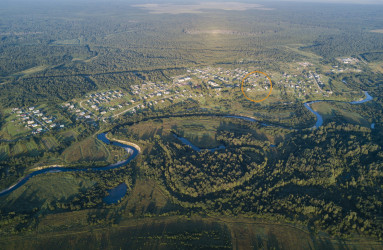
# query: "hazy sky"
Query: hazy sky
{"points": [[197, 1], [263, 1], [341, 1]]}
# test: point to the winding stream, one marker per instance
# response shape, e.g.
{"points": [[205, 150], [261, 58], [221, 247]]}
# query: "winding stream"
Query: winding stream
{"points": [[319, 121], [134, 151], [102, 137]]}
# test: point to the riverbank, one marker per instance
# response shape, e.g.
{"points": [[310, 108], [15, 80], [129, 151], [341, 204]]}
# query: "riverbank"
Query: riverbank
{"points": [[124, 142], [45, 167]]}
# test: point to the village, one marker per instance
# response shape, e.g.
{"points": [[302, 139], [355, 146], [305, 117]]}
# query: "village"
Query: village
{"points": [[200, 84]]}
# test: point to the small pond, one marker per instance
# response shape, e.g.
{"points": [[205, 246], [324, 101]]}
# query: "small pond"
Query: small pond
{"points": [[116, 193]]}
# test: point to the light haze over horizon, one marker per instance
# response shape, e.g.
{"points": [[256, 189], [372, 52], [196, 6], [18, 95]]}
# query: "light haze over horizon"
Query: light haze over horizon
{"points": [[339, 1], [198, 1]]}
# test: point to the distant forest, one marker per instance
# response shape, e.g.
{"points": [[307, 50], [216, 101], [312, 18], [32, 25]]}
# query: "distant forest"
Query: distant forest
{"points": [[68, 43]]}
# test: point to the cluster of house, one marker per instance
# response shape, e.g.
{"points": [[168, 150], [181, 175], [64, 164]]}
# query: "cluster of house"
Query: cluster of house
{"points": [[306, 81], [99, 102], [305, 64], [218, 76], [150, 89], [183, 80], [317, 78], [310, 80], [162, 94], [349, 60], [105, 97], [215, 78], [81, 113], [258, 82], [36, 119], [340, 69]]}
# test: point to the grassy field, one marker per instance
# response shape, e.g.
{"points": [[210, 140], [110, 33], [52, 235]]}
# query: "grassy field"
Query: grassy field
{"points": [[24, 73], [33, 70], [181, 233], [12, 127], [27, 147], [330, 112], [12, 130], [68, 134], [201, 131], [91, 149], [41, 190], [49, 142], [168, 233], [76, 41], [307, 54]]}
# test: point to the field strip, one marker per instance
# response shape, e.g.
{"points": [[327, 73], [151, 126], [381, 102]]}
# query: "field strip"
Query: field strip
{"points": [[135, 222]]}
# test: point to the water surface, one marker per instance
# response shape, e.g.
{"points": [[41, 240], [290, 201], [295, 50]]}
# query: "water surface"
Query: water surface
{"points": [[116, 193]]}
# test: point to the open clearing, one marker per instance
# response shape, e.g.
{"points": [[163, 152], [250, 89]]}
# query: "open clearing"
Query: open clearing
{"points": [[89, 149], [41, 190]]}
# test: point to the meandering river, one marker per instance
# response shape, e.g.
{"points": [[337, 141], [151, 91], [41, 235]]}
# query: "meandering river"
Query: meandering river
{"points": [[319, 121], [134, 151], [102, 137]]}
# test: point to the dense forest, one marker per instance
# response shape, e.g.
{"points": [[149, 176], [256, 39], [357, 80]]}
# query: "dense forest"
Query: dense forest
{"points": [[329, 178]]}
